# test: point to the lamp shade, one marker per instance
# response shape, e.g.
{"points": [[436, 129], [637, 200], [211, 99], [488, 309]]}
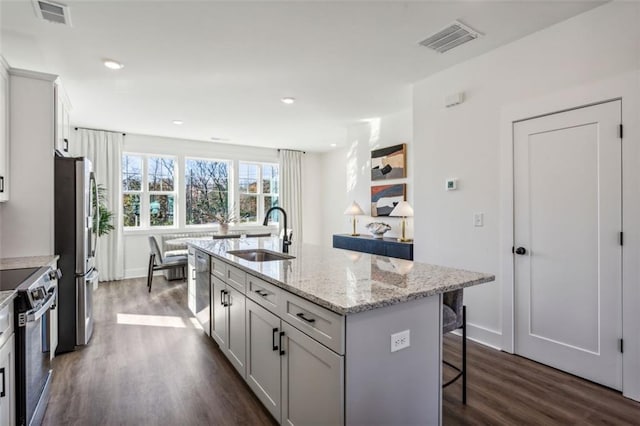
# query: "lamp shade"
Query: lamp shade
{"points": [[402, 209], [354, 209]]}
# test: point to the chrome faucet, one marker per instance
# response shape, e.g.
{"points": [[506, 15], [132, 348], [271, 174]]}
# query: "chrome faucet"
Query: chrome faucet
{"points": [[285, 240]]}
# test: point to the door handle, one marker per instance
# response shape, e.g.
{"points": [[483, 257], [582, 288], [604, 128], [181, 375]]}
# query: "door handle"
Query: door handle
{"points": [[280, 342], [228, 298], [3, 393], [521, 251], [273, 339], [222, 301], [1, 183]]}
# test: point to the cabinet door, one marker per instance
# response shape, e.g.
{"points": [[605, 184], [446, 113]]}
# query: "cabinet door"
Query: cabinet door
{"points": [[219, 312], [191, 285], [312, 381], [4, 134], [263, 357], [7, 383], [236, 334]]}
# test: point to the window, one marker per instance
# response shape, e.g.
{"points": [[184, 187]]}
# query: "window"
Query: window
{"points": [[161, 191], [148, 191], [207, 190], [258, 190], [131, 189]]}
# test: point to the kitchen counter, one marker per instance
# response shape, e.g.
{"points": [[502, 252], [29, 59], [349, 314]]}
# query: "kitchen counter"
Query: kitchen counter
{"points": [[6, 297], [27, 262], [343, 281]]}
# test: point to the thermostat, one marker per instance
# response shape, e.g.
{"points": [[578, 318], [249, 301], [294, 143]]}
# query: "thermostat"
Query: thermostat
{"points": [[452, 184]]}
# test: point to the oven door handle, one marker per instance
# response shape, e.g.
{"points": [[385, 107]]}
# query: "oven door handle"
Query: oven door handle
{"points": [[35, 316]]}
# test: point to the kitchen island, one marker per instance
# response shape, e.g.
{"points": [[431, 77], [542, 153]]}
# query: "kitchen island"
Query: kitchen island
{"points": [[312, 334]]}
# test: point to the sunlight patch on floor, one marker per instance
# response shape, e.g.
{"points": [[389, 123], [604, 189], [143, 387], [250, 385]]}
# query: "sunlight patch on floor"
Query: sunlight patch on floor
{"points": [[152, 320], [195, 323]]}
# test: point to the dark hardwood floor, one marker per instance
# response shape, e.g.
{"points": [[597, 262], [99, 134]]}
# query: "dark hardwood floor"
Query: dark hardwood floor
{"points": [[165, 375], [145, 374], [505, 389]]}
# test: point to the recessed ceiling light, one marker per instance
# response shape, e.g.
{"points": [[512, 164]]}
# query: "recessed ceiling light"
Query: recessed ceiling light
{"points": [[288, 100], [178, 122], [333, 145], [112, 65], [219, 139]]}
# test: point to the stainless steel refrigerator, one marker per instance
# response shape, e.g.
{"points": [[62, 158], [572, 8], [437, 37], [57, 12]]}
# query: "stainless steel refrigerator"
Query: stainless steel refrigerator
{"points": [[75, 241]]}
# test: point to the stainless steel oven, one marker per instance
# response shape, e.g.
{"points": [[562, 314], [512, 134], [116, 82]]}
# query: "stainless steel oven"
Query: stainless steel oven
{"points": [[34, 305]]}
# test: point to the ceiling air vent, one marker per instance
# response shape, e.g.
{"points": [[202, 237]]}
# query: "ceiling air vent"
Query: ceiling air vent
{"points": [[52, 12], [452, 36]]}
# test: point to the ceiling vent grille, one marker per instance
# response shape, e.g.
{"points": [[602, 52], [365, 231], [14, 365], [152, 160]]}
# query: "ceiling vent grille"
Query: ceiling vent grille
{"points": [[52, 12], [452, 36]]}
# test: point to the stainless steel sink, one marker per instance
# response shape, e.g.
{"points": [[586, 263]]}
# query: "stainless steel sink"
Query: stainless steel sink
{"points": [[260, 255]]}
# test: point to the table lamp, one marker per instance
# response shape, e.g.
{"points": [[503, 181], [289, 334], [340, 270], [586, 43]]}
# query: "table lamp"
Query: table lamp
{"points": [[354, 210], [403, 210]]}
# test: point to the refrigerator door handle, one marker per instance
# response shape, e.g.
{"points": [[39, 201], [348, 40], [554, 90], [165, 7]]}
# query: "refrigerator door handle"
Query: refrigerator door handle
{"points": [[95, 214]]}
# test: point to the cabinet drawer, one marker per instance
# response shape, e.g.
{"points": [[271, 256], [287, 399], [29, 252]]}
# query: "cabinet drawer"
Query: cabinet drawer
{"points": [[6, 322], [218, 268], [236, 278], [321, 324], [264, 293]]}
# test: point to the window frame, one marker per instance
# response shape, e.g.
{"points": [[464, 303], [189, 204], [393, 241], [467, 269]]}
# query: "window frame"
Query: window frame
{"points": [[145, 193], [260, 195]]}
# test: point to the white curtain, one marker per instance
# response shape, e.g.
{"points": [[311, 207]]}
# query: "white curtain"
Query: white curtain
{"points": [[104, 149], [291, 190]]}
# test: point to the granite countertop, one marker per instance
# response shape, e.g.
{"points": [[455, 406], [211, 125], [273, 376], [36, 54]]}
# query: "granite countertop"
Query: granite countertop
{"points": [[344, 281], [27, 262]]}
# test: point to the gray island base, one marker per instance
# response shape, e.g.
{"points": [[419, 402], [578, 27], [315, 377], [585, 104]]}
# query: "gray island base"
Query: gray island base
{"points": [[311, 335]]}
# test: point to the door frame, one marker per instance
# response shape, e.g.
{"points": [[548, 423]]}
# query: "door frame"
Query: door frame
{"points": [[625, 87]]}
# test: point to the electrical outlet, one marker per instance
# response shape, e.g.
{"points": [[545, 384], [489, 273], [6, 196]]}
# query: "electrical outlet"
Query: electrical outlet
{"points": [[478, 219], [400, 340]]}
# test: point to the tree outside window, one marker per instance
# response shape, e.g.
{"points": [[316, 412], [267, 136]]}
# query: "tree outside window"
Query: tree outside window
{"points": [[148, 183], [258, 188], [207, 190]]}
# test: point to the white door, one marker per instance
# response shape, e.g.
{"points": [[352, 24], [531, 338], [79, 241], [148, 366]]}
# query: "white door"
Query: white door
{"points": [[567, 224]]}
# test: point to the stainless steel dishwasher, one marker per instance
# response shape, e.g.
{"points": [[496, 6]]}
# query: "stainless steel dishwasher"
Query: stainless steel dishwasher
{"points": [[203, 291]]}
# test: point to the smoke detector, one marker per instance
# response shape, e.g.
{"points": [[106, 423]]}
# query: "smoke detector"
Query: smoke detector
{"points": [[452, 36], [52, 12]]}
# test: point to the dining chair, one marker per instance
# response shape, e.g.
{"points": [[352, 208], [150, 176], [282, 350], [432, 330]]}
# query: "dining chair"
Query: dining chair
{"points": [[454, 317], [159, 263]]}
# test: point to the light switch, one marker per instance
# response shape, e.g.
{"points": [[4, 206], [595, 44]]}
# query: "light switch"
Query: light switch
{"points": [[478, 219]]}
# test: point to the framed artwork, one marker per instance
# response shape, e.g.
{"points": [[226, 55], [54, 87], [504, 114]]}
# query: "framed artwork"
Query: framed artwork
{"points": [[385, 197], [389, 163]]}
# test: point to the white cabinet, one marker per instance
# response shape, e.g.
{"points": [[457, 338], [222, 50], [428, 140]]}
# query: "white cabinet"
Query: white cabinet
{"points": [[4, 131], [62, 122], [299, 380], [312, 381], [7, 366], [263, 357], [191, 281], [228, 322]]}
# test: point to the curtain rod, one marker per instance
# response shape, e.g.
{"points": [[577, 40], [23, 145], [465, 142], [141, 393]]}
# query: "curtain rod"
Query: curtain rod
{"points": [[99, 130], [297, 150]]}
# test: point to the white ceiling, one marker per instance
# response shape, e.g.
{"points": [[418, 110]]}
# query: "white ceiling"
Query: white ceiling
{"points": [[222, 67]]}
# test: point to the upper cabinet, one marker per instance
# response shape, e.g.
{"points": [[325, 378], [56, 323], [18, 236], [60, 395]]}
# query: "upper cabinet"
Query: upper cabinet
{"points": [[4, 130], [63, 124]]}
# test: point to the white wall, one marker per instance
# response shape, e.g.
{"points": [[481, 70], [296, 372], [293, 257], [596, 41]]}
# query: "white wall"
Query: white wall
{"points": [[465, 141], [346, 174]]}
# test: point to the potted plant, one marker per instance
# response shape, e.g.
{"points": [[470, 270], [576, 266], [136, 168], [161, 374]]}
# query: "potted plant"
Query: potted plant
{"points": [[103, 220]]}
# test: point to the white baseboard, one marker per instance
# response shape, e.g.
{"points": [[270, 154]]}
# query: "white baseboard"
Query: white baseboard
{"points": [[482, 335], [135, 273]]}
